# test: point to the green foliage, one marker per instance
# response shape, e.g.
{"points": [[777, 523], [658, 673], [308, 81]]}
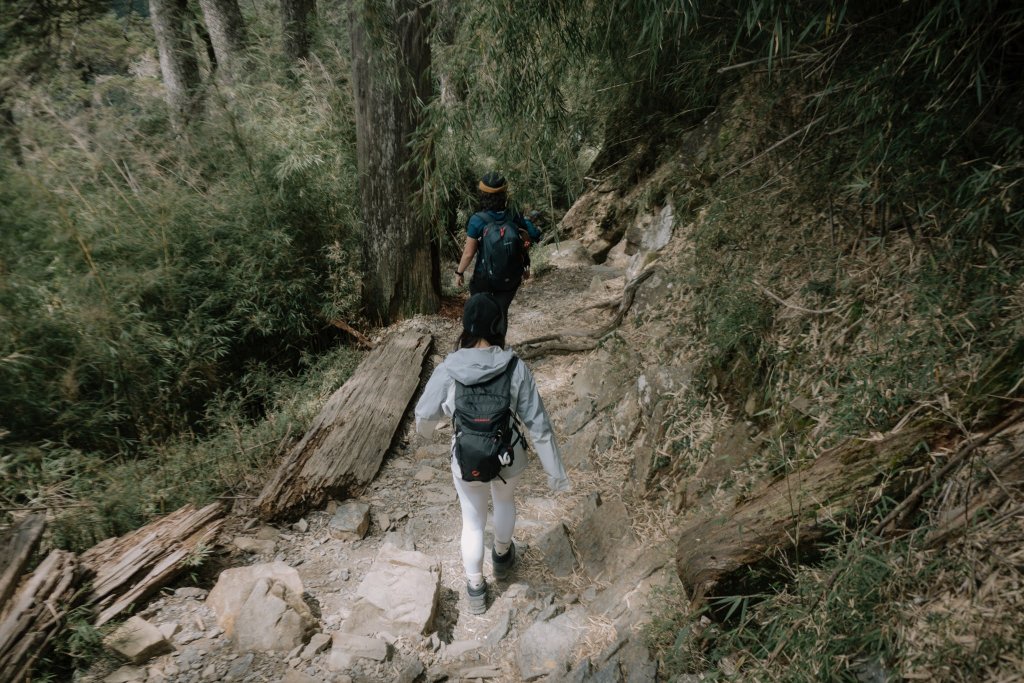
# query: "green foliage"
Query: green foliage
{"points": [[143, 275]]}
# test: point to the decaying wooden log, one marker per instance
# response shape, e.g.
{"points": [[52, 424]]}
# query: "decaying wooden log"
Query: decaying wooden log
{"points": [[344, 447], [33, 615], [16, 548], [128, 568], [797, 510]]}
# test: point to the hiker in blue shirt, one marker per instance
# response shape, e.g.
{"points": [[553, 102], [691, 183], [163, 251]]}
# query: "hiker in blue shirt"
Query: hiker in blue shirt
{"points": [[494, 215]]}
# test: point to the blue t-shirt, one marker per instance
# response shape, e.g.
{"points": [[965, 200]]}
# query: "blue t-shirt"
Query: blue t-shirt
{"points": [[475, 227]]}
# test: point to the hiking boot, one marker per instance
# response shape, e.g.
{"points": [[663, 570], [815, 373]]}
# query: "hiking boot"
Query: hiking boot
{"points": [[477, 598], [503, 563]]}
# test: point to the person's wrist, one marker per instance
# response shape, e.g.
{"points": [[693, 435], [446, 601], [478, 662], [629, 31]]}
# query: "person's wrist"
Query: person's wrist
{"points": [[457, 272]]}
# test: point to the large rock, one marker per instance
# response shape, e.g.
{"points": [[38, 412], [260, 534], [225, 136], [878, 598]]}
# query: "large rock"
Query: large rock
{"points": [[594, 219], [273, 618], [398, 595], [565, 254], [137, 640], [547, 647], [348, 647], [556, 551], [350, 521], [605, 539], [234, 587], [651, 232]]}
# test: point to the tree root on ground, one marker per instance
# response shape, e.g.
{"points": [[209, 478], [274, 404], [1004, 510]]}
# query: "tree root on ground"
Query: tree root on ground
{"points": [[551, 344]]}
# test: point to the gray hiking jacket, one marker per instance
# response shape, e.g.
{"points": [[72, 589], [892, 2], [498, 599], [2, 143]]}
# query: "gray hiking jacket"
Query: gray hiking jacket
{"points": [[470, 366]]}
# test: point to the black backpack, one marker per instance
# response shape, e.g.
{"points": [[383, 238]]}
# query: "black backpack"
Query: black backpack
{"points": [[502, 253], [484, 426]]}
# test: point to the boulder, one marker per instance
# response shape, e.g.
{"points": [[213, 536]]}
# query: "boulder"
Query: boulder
{"points": [[548, 647], [317, 644], [594, 219], [605, 539], [273, 618], [234, 586], [579, 447], [556, 550], [651, 232], [564, 254], [499, 630], [398, 594], [348, 647], [350, 521], [137, 640]]}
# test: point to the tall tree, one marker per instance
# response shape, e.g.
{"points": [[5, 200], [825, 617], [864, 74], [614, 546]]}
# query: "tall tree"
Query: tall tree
{"points": [[391, 81], [295, 18], [227, 32], [178, 63]]}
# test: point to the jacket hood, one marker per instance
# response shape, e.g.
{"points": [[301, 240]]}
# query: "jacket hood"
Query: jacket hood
{"points": [[470, 366]]}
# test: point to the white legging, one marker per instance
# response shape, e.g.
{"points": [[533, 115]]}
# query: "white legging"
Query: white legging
{"points": [[473, 499]]}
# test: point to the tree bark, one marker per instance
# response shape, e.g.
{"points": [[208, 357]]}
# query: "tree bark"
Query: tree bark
{"points": [[18, 546], [178, 63], [127, 569], [402, 264], [224, 22], [295, 15], [798, 511], [344, 447], [34, 614]]}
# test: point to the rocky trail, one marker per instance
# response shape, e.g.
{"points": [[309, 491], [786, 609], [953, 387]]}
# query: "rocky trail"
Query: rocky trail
{"points": [[372, 589]]}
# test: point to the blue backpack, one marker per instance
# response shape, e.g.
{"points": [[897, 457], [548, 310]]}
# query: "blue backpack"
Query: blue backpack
{"points": [[502, 253]]}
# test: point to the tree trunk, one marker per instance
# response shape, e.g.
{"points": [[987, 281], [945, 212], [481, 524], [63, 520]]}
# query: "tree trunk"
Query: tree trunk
{"points": [[346, 443], [18, 545], [178, 63], [793, 514], [402, 270], [295, 15], [127, 569], [35, 613], [227, 32]]}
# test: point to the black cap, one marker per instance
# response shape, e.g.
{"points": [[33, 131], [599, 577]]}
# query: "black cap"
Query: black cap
{"points": [[483, 316], [493, 183]]}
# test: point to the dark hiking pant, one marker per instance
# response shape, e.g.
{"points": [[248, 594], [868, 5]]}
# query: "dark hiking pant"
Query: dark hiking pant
{"points": [[504, 298]]}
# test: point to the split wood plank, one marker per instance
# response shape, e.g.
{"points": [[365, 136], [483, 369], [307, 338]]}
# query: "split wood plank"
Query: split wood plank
{"points": [[35, 613], [18, 546], [798, 510], [127, 569], [343, 449]]}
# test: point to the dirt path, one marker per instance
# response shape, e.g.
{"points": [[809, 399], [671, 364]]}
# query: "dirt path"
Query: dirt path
{"points": [[413, 504]]}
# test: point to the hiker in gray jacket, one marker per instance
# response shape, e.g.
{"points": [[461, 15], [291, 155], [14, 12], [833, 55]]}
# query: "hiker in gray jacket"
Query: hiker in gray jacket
{"points": [[481, 356]]}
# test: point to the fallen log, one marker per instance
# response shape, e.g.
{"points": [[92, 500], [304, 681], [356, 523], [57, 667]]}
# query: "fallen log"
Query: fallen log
{"points": [[126, 569], [18, 545], [343, 449], [34, 614], [798, 510]]}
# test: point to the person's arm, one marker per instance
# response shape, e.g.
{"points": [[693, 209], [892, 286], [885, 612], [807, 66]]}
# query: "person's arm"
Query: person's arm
{"points": [[429, 409], [468, 252], [530, 409], [532, 230]]}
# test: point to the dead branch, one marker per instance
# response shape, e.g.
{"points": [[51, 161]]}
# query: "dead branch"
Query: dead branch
{"points": [[360, 338]]}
